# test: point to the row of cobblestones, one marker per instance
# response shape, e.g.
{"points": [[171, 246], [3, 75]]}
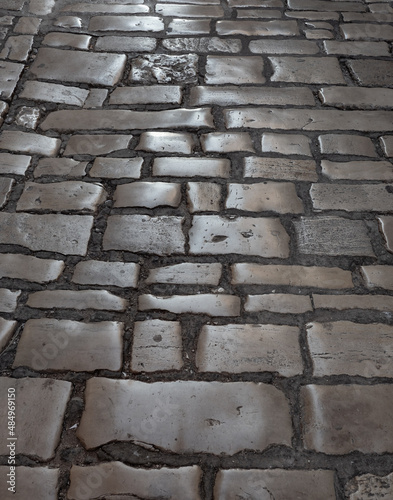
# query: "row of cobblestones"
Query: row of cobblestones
{"points": [[196, 237]]}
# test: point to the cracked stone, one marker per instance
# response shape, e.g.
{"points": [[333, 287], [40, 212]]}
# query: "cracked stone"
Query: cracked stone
{"points": [[53, 92], [163, 68], [60, 167], [370, 486], [28, 117], [203, 45]]}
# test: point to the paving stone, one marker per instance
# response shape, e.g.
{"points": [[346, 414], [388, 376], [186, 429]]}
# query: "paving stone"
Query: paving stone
{"points": [[126, 44], [318, 34], [78, 66], [357, 98], [372, 72], [179, 416], [345, 144], [358, 170], [237, 96], [126, 23], [116, 168], [53, 92], [66, 167], [147, 194], [8, 300], [96, 98], [312, 15], [168, 142], [28, 25], [203, 196], [7, 329], [95, 272], [210, 11], [186, 273], [160, 235], [300, 276], [232, 69], [192, 167], [73, 40], [249, 348], [373, 49], [255, 3], [343, 302], [51, 344], [123, 119], [380, 7], [17, 48], [378, 276], [41, 7], [12, 4], [279, 197], [257, 14], [258, 28], [42, 404], [212, 234], [306, 70], [368, 16], [189, 27], [96, 144], [352, 197], [76, 299], [362, 31], [156, 346], [65, 234], [387, 144], [279, 303], [14, 164], [210, 304], [203, 45], [39, 482], [344, 418], [274, 483], [332, 236], [30, 268], [283, 47], [106, 8], [370, 486], [6, 20], [163, 68], [28, 117], [321, 5], [152, 94], [286, 144], [3, 110], [68, 22], [121, 481], [317, 25], [386, 224], [6, 185], [58, 196], [24, 142], [279, 168], [217, 142], [9, 76], [342, 347]]}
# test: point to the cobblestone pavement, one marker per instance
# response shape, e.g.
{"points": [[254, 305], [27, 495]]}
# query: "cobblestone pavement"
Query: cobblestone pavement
{"points": [[196, 237]]}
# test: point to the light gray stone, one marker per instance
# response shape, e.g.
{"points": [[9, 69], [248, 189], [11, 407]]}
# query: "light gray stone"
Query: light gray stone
{"points": [[362, 31], [358, 170], [14, 164], [28, 117], [189, 27], [26, 267], [152, 94], [76, 299], [7, 329], [40, 482], [372, 72], [356, 98], [258, 28], [343, 302], [286, 144], [166, 142], [387, 144], [306, 70], [147, 194], [203, 45], [9, 76], [282, 303], [346, 144], [68, 22], [233, 69], [54, 92], [106, 8], [126, 44], [17, 48], [96, 145], [279, 168], [24, 142], [126, 23], [6, 185], [370, 486], [66, 167], [204, 196], [321, 5], [192, 167], [163, 68], [226, 143], [210, 304], [8, 299], [95, 272], [96, 98], [283, 47], [116, 168], [386, 224], [210, 11], [73, 40], [186, 273], [378, 276]]}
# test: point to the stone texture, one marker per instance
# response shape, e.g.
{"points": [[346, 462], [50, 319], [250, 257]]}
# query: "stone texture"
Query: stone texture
{"points": [[386, 224], [387, 145], [162, 68], [124, 482], [299, 276], [17, 48], [147, 194], [344, 418], [279, 168], [23, 142], [65, 234], [286, 144], [189, 27], [8, 300], [39, 425], [231, 69], [176, 10], [54, 92], [279, 303], [210, 304], [342, 347], [191, 167], [160, 235], [204, 196], [343, 302], [362, 31], [203, 45], [321, 5], [6, 185], [369, 72], [126, 23], [26, 267], [283, 47], [370, 486], [7, 329], [39, 482], [68, 22], [345, 144], [96, 145], [306, 70], [217, 142], [264, 237], [95, 272], [156, 346], [373, 49], [126, 44], [186, 273], [75, 41], [116, 168], [96, 98], [356, 98], [186, 411], [14, 164], [358, 170], [60, 167], [76, 299], [106, 8], [166, 142], [51, 344], [258, 28], [28, 117], [153, 94], [378, 276], [9, 76], [249, 348]]}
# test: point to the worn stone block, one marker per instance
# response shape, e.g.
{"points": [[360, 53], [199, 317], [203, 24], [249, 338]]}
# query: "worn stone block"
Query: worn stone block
{"points": [[126, 23], [286, 144], [95, 272], [186, 273], [232, 69], [39, 482], [162, 68], [54, 92], [203, 45], [14, 164], [24, 142], [9, 77], [345, 144], [191, 167], [166, 142], [306, 70], [26, 267], [386, 224], [96, 145], [147, 194], [66, 167], [116, 168], [378, 276], [210, 304], [282, 303], [152, 94], [358, 170], [203, 196], [76, 299], [279, 168], [370, 486]]}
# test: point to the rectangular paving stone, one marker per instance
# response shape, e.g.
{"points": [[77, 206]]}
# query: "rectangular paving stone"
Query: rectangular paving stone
{"points": [[166, 142], [66, 167], [277, 483], [26, 267], [152, 94], [378, 276], [356, 98], [212, 234], [6, 184], [96, 98], [54, 92], [375, 487], [249, 348], [343, 302], [122, 119], [188, 421], [373, 49], [51, 344], [283, 303], [306, 70], [76, 299], [358, 170], [346, 144], [386, 225], [203, 45], [279, 168], [192, 167], [217, 142], [160, 235], [372, 72], [73, 40], [42, 403], [186, 273], [258, 28], [203, 196], [163, 68], [340, 419], [7, 329], [362, 31], [188, 27], [14, 164], [95, 272], [116, 168], [41, 7], [257, 14], [58, 196], [65, 234], [321, 5], [147, 194], [210, 11], [156, 346], [9, 76], [343, 347], [8, 299], [126, 23], [117, 480], [96, 145], [211, 304], [332, 236], [279, 197], [286, 144], [78, 66], [233, 69], [40, 482], [255, 3], [309, 119], [312, 15], [125, 43], [385, 17], [300, 276], [106, 8], [24, 142], [17, 48], [300, 47], [238, 96], [352, 197]]}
